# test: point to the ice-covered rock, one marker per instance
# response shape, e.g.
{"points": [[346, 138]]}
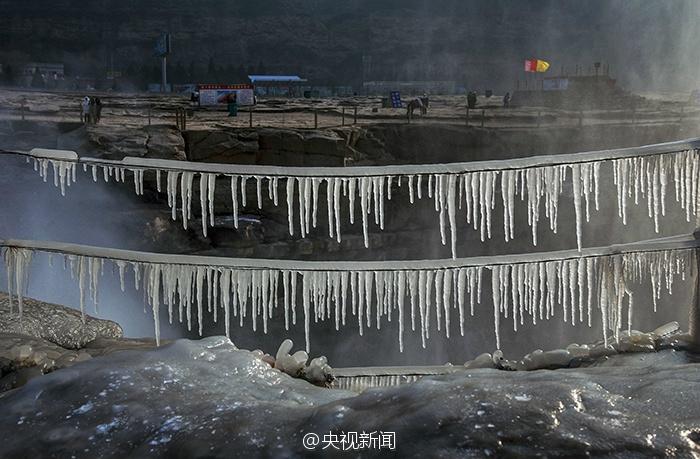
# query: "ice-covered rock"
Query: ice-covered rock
{"points": [[58, 324], [500, 362], [288, 363], [178, 399], [667, 329], [208, 399], [316, 372], [637, 342], [484, 360], [24, 357]]}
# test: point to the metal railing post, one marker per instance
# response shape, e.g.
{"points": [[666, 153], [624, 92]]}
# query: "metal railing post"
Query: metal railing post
{"points": [[694, 313]]}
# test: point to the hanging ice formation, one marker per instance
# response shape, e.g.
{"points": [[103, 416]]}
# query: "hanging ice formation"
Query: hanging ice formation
{"points": [[538, 184], [443, 293]]}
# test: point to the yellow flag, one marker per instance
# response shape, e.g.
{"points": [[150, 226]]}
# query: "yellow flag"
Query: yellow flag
{"points": [[542, 66]]}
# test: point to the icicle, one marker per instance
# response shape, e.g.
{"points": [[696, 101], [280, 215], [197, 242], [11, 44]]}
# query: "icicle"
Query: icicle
{"points": [[203, 193], [330, 206], [365, 185], [186, 196], [336, 206], [234, 200], [461, 287], [290, 205], [258, 189], [401, 293], [274, 190], [451, 210], [315, 183], [244, 197], [440, 204], [17, 262], [576, 184], [210, 197]]}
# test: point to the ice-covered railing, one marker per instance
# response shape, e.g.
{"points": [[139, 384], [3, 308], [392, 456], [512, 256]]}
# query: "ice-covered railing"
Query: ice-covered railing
{"points": [[358, 379], [570, 284], [638, 173]]}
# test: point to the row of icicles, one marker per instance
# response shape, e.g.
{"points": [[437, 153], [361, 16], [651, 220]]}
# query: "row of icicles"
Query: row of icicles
{"points": [[533, 291], [639, 177]]}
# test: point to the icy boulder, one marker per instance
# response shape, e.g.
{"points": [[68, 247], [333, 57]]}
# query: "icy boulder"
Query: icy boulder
{"points": [[208, 399], [58, 324], [189, 394]]}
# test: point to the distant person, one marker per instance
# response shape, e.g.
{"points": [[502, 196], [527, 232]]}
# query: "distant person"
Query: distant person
{"points": [[233, 104], [419, 103], [506, 100], [471, 99], [84, 110], [98, 109], [92, 111]]}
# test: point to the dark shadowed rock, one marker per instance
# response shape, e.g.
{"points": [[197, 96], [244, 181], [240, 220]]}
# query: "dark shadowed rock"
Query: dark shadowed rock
{"points": [[57, 324], [24, 357]]}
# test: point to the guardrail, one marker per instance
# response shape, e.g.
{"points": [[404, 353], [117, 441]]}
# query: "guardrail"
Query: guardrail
{"points": [[645, 171], [374, 289], [325, 117]]}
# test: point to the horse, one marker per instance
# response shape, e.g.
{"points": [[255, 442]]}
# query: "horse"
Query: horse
{"points": [[421, 103]]}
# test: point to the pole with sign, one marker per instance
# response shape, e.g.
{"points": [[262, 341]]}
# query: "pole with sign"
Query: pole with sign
{"points": [[162, 50]]}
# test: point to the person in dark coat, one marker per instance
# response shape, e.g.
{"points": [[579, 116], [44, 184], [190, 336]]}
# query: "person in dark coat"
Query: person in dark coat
{"points": [[98, 109], [233, 104], [471, 99], [92, 111]]}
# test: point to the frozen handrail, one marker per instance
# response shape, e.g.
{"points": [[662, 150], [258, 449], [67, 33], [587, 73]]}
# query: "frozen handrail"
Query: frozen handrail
{"points": [[368, 171], [357, 379], [687, 241], [534, 285], [647, 172]]}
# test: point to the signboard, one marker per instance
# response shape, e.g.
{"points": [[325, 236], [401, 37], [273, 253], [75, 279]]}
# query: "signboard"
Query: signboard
{"points": [[555, 84], [218, 94], [395, 99], [162, 46]]}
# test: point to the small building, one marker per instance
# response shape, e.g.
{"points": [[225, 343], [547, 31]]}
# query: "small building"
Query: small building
{"points": [[50, 74], [277, 85], [572, 92]]}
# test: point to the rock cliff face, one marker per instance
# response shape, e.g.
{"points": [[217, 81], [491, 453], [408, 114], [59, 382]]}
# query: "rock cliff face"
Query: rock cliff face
{"points": [[475, 42]]}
